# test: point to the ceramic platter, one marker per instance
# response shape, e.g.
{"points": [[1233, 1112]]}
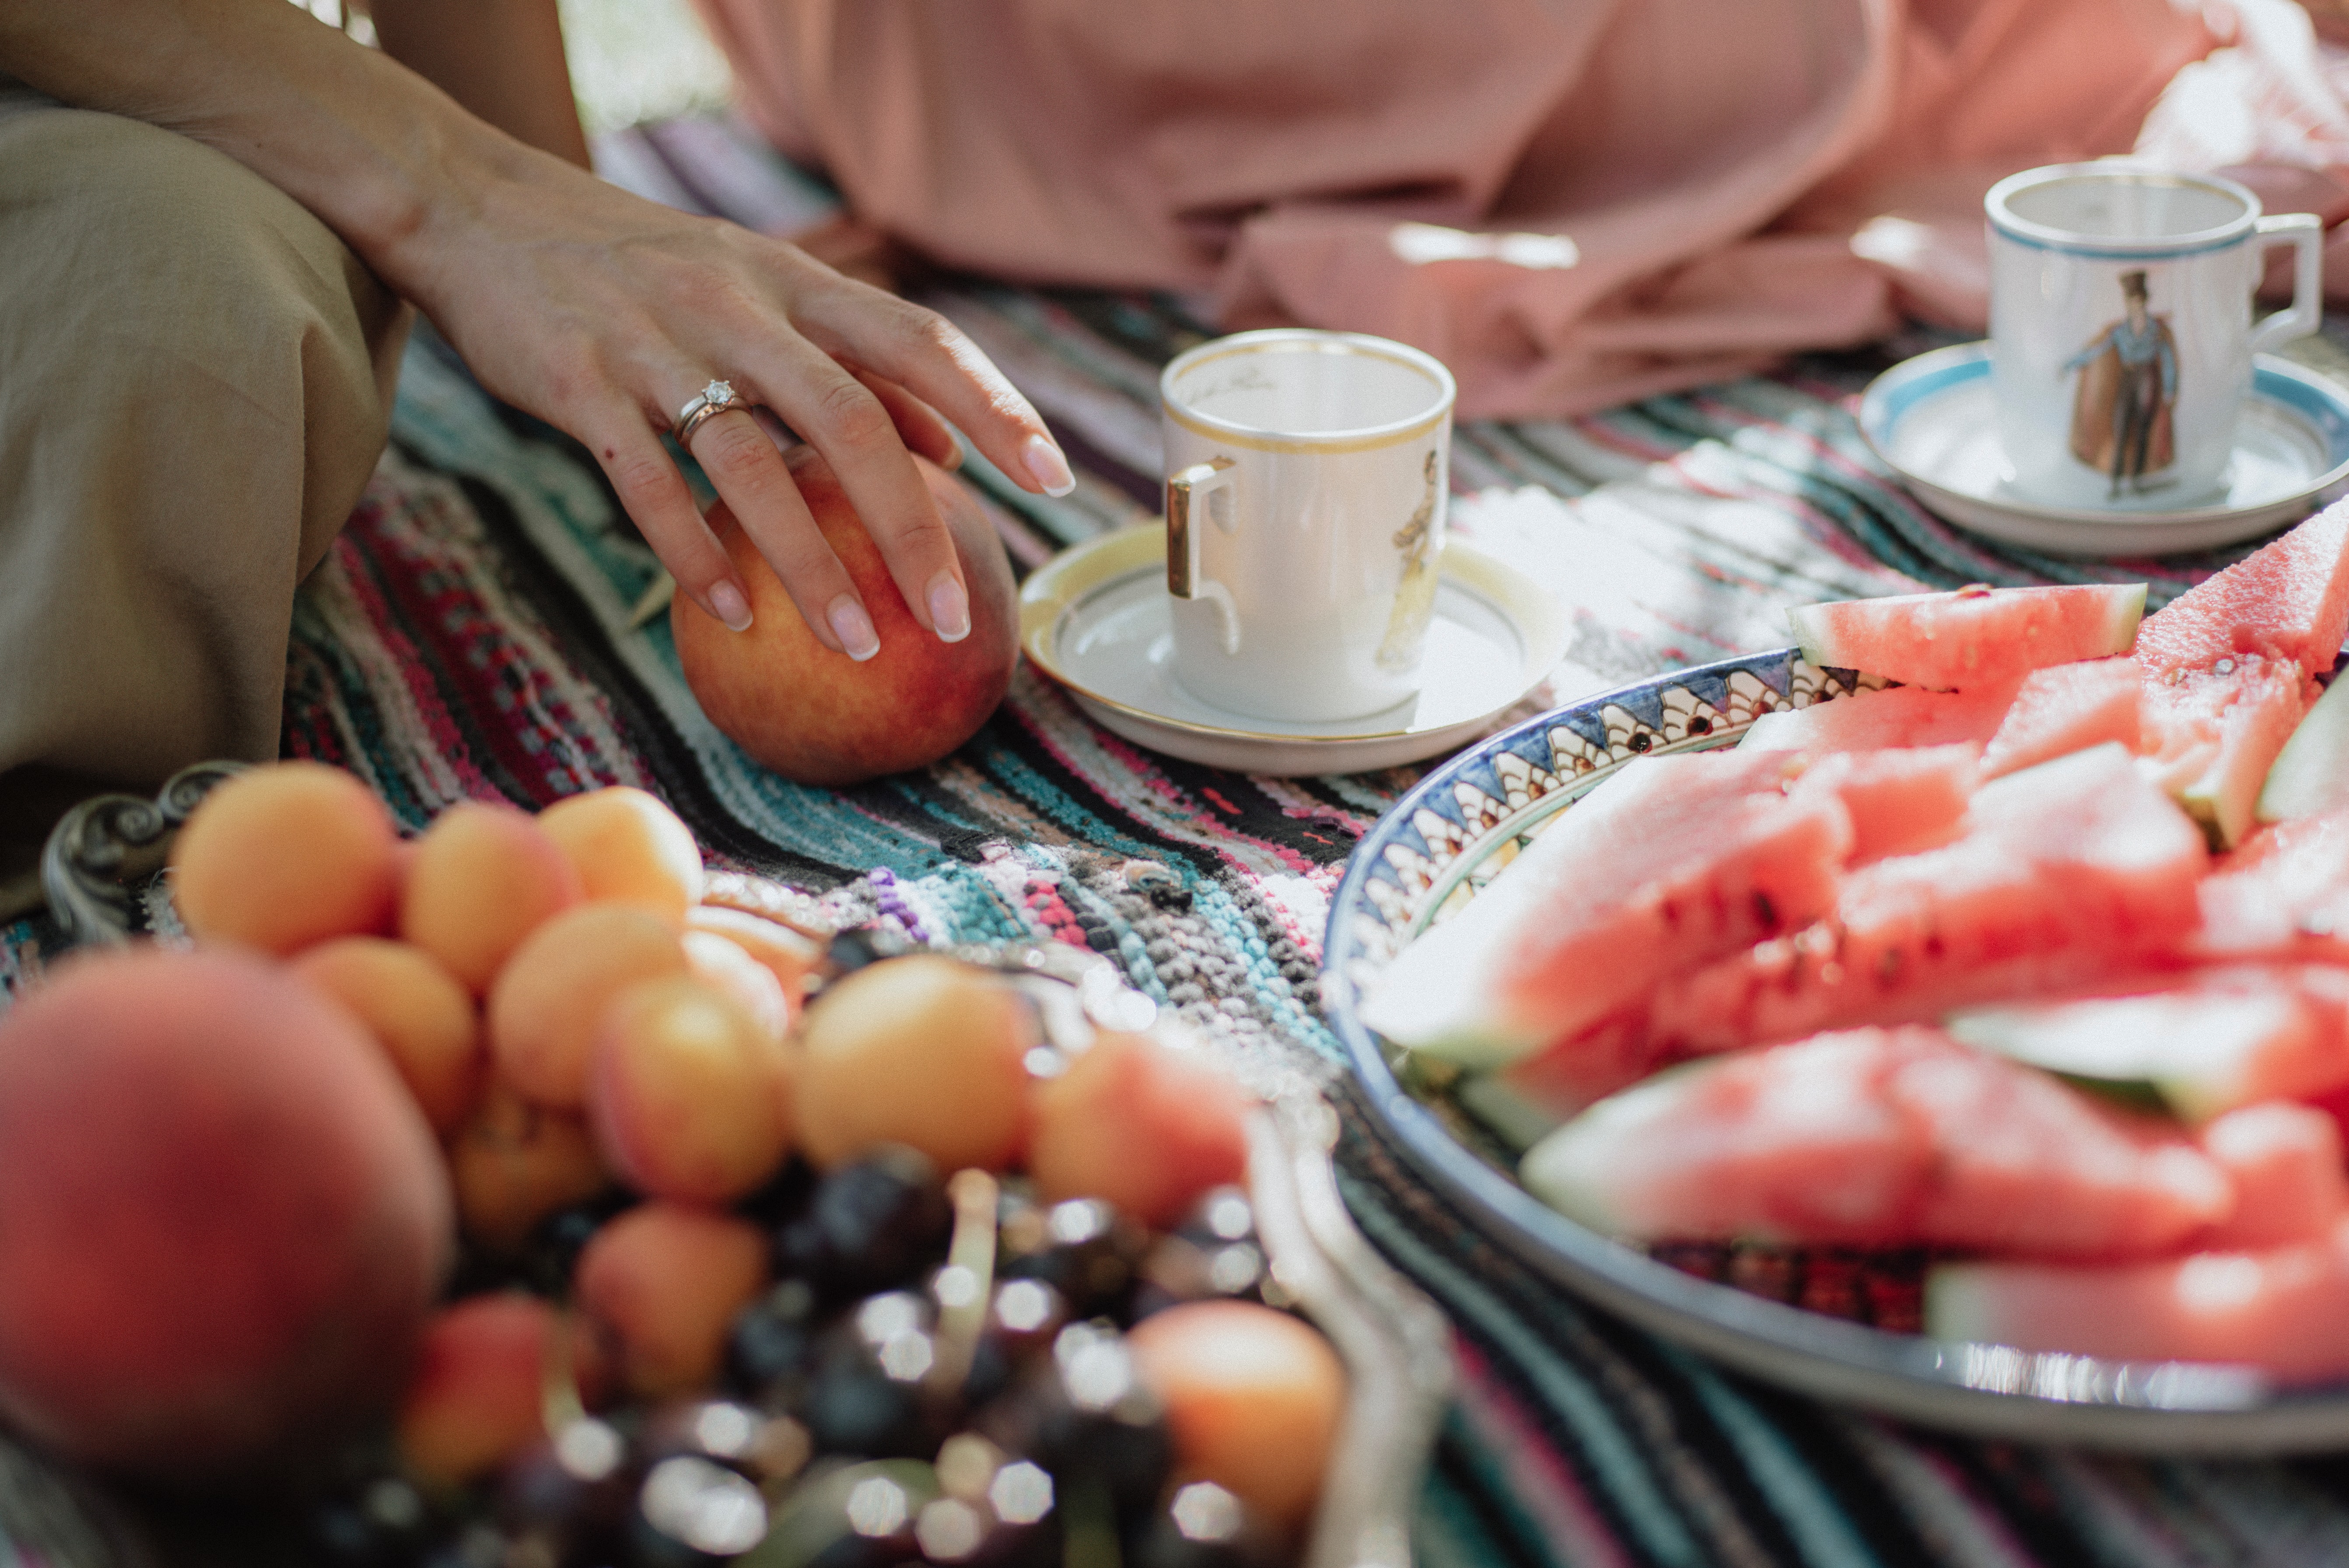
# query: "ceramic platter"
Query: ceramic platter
{"points": [[1445, 840], [1933, 420], [1096, 619]]}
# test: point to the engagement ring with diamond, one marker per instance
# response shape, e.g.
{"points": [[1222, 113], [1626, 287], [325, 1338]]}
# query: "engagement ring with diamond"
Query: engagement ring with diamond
{"points": [[715, 399]]}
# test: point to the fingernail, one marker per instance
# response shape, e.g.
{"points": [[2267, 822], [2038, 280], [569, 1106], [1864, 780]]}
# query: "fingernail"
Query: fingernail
{"points": [[1052, 469], [854, 628], [949, 608], [726, 603]]}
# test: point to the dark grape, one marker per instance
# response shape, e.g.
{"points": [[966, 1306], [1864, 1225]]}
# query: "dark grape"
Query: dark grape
{"points": [[1083, 1249], [1204, 1526], [568, 1502], [1085, 1416], [869, 1225]]}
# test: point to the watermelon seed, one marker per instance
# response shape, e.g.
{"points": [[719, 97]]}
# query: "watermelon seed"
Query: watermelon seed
{"points": [[1975, 591], [2223, 667], [1641, 742], [1699, 726], [1766, 913]]}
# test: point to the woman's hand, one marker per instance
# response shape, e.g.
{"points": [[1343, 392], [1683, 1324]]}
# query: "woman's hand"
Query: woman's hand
{"points": [[598, 312], [603, 314]]}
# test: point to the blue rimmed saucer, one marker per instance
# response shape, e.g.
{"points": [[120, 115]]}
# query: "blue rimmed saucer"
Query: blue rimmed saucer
{"points": [[1933, 420]]}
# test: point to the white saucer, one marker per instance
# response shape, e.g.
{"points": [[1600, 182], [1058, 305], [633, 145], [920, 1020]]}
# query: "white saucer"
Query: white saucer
{"points": [[1933, 421], [1094, 618]]}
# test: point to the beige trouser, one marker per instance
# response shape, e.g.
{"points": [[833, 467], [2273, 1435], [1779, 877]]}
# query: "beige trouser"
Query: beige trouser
{"points": [[195, 382]]}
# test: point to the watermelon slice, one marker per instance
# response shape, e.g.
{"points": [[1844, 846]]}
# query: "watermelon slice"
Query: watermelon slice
{"points": [[1879, 720], [2312, 772], [2070, 871], [2284, 1161], [2289, 600], [1672, 861], [2284, 894], [2279, 1308], [2213, 1040], [2211, 735], [2066, 708], [1900, 801], [1877, 1137], [1977, 637]]}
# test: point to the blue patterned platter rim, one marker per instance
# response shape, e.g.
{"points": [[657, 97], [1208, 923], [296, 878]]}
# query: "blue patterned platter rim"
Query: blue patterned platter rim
{"points": [[1445, 837]]}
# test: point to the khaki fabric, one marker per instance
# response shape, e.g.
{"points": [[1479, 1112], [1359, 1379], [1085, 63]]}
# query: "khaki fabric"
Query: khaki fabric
{"points": [[195, 383]]}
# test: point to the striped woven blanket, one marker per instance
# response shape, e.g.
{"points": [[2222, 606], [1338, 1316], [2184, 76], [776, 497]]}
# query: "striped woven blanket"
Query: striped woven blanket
{"points": [[469, 637]]}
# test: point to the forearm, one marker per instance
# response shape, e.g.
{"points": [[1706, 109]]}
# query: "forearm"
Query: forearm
{"points": [[371, 148], [501, 59]]}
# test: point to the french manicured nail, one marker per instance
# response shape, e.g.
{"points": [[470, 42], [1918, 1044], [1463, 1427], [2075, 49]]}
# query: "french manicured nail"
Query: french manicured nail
{"points": [[854, 628], [726, 603], [949, 608], [1052, 469]]}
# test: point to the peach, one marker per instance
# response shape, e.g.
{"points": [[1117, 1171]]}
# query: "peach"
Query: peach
{"points": [[1253, 1401], [819, 716], [1144, 1127], [222, 1220], [922, 1051], [726, 966], [485, 877], [284, 856], [479, 1393], [685, 1099], [514, 1164], [663, 1282], [548, 1002], [418, 1012], [790, 956], [628, 848]]}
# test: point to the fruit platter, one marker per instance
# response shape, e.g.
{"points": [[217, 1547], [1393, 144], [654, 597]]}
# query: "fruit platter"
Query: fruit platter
{"points": [[522, 1195], [1945, 1016]]}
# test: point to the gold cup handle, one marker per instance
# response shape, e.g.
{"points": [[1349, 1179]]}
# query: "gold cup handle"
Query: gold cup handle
{"points": [[1185, 490]]}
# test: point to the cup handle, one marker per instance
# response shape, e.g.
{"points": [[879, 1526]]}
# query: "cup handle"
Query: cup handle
{"points": [[1185, 491], [2305, 233]]}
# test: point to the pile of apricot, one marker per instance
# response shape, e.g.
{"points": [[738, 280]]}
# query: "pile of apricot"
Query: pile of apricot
{"points": [[716, 1197]]}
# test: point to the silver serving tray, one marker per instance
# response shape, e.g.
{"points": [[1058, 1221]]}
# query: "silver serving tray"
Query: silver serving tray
{"points": [[1441, 842], [100, 872]]}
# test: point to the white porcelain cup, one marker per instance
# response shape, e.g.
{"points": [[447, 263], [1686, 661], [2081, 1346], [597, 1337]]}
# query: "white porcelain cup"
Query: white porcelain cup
{"points": [[2121, 331], [1306, 482]]}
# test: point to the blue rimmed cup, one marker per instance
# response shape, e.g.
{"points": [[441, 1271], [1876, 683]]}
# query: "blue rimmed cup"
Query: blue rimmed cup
{"points": [[2121, 329]]}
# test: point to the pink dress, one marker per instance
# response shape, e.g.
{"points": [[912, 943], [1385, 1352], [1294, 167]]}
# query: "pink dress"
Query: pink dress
{"points": [[1570, 201]]}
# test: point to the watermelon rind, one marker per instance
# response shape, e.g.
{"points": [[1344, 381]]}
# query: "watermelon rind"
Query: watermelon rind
{"points": [[1977, 636], [2191, 1051], [2311, 774]]}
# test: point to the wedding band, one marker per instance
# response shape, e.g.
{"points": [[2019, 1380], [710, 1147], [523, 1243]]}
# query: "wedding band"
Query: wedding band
{"points": [[717, 397]]}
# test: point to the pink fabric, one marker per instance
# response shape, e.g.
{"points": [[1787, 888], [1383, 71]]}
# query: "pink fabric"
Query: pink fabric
{"points": [[1572, 202]]}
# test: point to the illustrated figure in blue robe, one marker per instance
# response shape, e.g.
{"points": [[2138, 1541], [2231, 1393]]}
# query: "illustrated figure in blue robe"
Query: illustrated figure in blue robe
{"points": [[2128, 385]]}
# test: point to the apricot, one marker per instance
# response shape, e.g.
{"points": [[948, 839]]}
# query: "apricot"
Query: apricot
{"points": [[922, 1051], [514, 1164], [485, 877], [726, 966], [284, 856], [1253, 1400], [627, 848], [789, 955], [222, 1221], [478, 1396], [662, 1283], [548, 1002], [1146, 1128], [416, 1012], [685, 1099], [819, 716]]}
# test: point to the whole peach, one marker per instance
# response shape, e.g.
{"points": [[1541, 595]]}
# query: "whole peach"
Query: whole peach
{"points": [[222, 1219], [819, 716]]}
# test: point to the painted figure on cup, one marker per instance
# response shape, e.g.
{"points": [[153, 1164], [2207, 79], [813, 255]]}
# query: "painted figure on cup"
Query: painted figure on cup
{"points": [[2128, 385]]}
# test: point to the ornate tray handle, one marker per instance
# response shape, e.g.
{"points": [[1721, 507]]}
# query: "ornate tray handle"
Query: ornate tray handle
{"points": [[103, 850]]}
